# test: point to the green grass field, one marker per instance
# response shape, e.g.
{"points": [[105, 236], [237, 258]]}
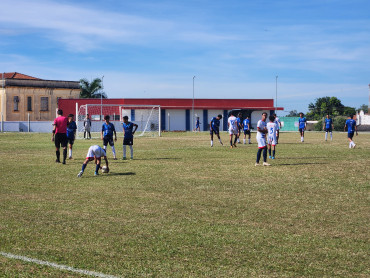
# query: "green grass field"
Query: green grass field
{"points": [[184, 209]]}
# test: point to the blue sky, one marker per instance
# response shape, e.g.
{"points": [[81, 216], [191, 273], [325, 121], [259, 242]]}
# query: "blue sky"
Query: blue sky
{"points": [[235, 48]]}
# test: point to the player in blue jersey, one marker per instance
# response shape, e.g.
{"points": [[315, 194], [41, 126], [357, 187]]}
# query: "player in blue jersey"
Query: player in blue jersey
{"points": [[214, 127], [278, 127], [129, 129], [247, 130], [71, 133], [351, 128], [302, 123], [239, 121], [328, 127], [107, 132], [197, 125]]}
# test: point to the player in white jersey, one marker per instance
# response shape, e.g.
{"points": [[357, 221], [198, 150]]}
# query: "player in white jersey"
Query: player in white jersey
{"points": [[232, 124], [261, 140], [271, 137], [278, 126], [94, 153]]}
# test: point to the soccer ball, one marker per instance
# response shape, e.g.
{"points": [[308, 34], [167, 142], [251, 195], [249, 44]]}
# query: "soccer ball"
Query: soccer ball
{"points": [[105, 169]]}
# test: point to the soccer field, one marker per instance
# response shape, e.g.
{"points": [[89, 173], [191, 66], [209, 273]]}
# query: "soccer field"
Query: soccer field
{"points": [[184, 209]]}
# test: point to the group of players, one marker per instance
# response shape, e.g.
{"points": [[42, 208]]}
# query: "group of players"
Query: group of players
{"points": [[64, 133]]}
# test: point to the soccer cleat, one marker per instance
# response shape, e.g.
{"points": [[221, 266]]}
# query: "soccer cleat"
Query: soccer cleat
{"points": [[114, 158], [273, 157], [131, 158], [354, 145], [266, 164], [257, 164], [96, 174], [79, 175], [57, 161], [270, 156], [70, 157], [64, 162], [221, 143], [234, 145], [124, 158]]}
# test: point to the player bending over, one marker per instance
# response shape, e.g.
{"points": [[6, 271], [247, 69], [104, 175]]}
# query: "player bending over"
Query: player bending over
{"points": [[302, 123], [328, 127], [71, 133], [214, 127], [261, 140], [94, 153], [278, 126], [271, 137], [107, 132], [233, 130], [247, 130], [351, 128], [129, 130]]}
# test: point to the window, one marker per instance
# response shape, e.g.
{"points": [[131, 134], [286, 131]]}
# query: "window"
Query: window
{"points": [[29, 103], [44, 104], [16, 103]]}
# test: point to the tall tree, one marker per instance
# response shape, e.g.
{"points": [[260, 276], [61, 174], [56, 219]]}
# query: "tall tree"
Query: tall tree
{"points": [[91, 89], [363, 107], [328, 105]]}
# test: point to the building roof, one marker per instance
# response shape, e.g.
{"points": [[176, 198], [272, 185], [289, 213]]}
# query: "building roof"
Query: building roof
{"points": [[17, 75]]}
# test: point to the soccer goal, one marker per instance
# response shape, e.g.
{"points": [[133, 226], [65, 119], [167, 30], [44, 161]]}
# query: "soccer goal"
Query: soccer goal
{"points": [[147, 117]]}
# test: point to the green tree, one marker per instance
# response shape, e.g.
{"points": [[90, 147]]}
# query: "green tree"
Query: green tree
{"points": [[363, 107], [91, 89], [293, 113], [327, 105]]}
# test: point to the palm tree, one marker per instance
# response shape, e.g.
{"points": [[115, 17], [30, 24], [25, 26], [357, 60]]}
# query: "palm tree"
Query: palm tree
{"points": [[91, 90]]}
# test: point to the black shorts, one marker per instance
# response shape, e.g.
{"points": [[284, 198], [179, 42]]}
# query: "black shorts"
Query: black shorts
{"points": [[247, 132], [108, 139], [128, 141], [71, 140], [301, 130], [60, 139], [328, 129], [215, 131], [350, 134]]}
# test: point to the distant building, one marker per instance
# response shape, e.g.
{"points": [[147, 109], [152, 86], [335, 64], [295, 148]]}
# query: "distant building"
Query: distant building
{"points": [[21, 94], [176, 114]]}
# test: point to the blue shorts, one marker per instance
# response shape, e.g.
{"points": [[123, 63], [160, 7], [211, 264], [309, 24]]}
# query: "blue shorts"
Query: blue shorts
{"points": [[301, 130], [328, 129], [350, 134], [128, 141], [108, 139], [247, 132], [215, 131]]}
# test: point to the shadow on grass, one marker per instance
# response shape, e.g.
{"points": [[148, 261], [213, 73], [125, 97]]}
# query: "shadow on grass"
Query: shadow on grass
{"points": [[311, 157], [300, 163], [122, 174], [159, 158]]}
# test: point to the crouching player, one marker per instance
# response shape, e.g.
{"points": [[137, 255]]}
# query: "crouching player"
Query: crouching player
{"points": [[214, 127], [271, 139], [94, 153], [129, 129], [261, 140]]}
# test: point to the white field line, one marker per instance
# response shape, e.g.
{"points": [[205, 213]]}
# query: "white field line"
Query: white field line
{"points": [[57, 266]]}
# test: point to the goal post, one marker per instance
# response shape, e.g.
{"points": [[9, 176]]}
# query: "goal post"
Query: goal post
{"points": [[147, 117]]}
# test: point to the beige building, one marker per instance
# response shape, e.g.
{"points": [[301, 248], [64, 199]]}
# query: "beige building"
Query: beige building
{"points": [[21, 95]]}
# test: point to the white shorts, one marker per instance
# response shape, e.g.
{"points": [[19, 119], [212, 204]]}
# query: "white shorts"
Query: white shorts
{"points": [[91, 153], [261, 141], [271, 141], [233, 131]]}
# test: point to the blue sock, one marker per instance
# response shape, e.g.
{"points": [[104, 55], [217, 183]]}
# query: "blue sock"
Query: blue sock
{"points": [[83, 167], [258, 155], [273, 153], [97, 167], [265, 154]]}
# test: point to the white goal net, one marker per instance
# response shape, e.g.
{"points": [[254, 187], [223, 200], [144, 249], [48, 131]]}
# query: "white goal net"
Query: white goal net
{"points": [[147, 117]]}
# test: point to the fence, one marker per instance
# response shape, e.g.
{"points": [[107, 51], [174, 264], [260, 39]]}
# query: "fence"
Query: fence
{"points": [[25, 126]]}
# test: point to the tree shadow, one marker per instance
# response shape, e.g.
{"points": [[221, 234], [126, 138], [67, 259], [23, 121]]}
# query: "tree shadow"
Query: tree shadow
{"points": [[159, 158], [302, 163], [122, 174]]}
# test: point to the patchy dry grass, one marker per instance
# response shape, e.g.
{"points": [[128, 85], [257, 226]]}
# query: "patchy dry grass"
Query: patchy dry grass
{"points": [[184, 209]]}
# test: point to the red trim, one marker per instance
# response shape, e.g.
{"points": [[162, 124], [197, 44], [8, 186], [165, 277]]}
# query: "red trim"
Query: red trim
{"points": [[262, 147]]}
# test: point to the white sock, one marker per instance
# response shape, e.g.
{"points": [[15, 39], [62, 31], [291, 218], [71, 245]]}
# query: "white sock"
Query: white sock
{"points": [[105, 148], [114, 151], [132, 151], [211, 143], [124, 151], [249, 140], [331, 136], [70, 152], [326, 136], [244, 141]]}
